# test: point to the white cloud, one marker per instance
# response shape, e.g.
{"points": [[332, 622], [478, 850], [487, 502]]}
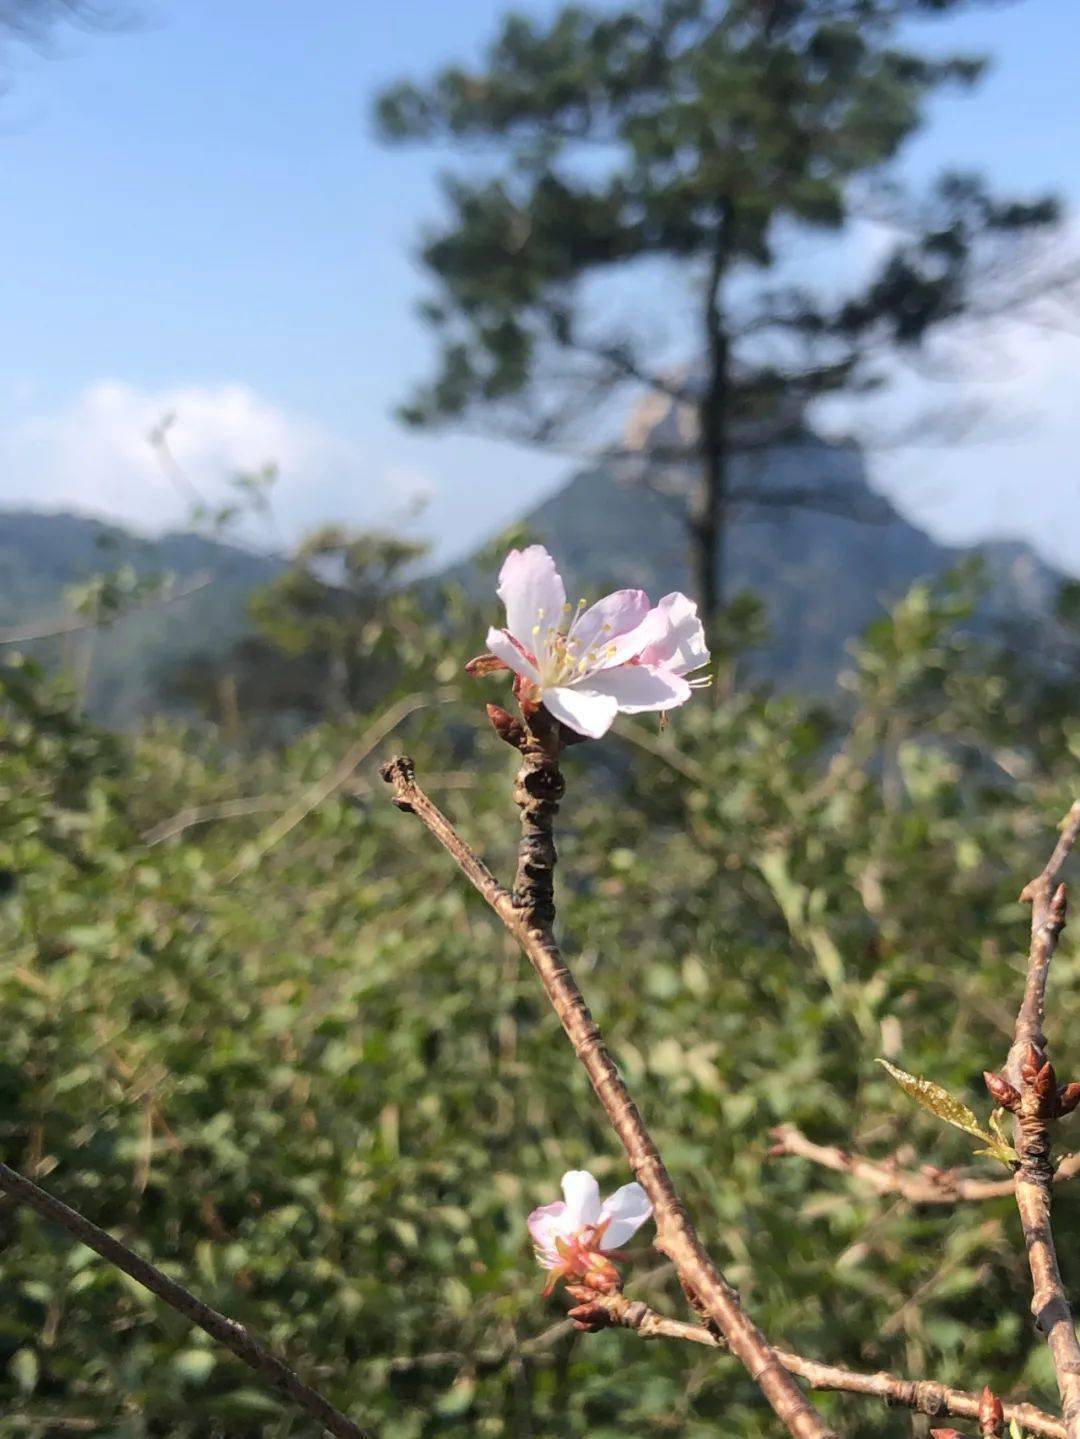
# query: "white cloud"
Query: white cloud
{"points": [[94, 455]]}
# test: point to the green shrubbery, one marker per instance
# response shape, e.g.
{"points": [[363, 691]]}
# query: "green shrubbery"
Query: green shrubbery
{"points": [[320, 1086]]}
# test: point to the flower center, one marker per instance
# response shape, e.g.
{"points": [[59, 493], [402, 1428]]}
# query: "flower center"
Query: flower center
{"points": [[561, 656]]}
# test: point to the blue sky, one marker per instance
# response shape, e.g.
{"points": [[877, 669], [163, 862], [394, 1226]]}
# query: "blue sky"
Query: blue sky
{"points": [[197, 219]]}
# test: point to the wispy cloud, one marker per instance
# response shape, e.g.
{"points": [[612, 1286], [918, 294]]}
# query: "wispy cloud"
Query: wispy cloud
{"points": [[94, 454]]}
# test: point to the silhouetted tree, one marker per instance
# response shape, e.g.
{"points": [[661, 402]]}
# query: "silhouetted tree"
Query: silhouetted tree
{"points": [[700, 141]]}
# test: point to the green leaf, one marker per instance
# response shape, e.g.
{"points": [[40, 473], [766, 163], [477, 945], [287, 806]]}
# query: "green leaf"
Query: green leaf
{"points": [[938, 1101], [194, 1365], [24, 1369]]}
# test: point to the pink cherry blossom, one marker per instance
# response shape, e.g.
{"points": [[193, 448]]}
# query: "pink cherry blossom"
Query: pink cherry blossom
{"points": [[586, 665], [572, 1235]]}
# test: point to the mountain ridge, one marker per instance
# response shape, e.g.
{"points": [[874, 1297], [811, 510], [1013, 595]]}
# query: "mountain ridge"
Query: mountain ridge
{"points": [[823, 577]]}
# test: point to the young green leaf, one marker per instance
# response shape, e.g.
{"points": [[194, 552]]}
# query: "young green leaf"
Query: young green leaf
{"points": [[937, 1100]]}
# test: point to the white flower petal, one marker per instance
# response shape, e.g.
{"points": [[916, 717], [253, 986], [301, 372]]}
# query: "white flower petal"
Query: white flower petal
{"points": [[681, 645], [638, 688], [532, 590], [583, 710], [599, 635], [582, 1199], [547, 1224], [506, 649], [627, 1209]]}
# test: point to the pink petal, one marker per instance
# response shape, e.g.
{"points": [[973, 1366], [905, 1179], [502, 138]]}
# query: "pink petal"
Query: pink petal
{"points": [[605, 627], [532, 590], [544, 1227], [638, 688], [509, 651], [583, 710], [627, 1209], [582, 1199], [681, 645]]}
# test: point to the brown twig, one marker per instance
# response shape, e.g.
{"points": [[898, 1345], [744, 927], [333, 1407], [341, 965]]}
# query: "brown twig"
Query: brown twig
{"points": [[226, 1331], [922, 1396], [676, 1236], [1037, 1101], [926, 1186]]}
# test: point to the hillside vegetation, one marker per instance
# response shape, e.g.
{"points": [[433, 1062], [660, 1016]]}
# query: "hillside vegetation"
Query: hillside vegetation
{"points": [[276, 1044]]}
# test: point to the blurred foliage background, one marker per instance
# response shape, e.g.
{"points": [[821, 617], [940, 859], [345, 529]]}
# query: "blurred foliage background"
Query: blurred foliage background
{"points": [[279, 1046]]}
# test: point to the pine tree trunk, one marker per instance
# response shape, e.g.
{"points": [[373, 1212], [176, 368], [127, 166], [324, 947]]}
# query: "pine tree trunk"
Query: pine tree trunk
{"points": [[710, 523]]}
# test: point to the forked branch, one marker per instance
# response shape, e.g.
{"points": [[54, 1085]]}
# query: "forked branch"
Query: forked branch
{"points": [[924, 1396]]}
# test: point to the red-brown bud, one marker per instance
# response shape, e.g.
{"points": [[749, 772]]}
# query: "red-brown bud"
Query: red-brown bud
{"points": [[1059, 906], [1068, 1098], [485, 664], [946, 1434], [1004, 1095], [590, 1317], [1045, 1083], [506, 726], [1030, 1064], [991, 1414]]}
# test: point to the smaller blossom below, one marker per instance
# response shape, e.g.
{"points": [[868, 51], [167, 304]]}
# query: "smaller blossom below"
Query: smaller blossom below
{"points": [[585, 665], [575, 1237]]}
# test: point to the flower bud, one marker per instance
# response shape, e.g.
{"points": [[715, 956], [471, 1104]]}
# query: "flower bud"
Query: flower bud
{"points": [[1068, 1098], [1004, 1095], [590, 1317], [485, 664], [1045, 1083], [506, 726], [991, 1413], [1030, 1064]]}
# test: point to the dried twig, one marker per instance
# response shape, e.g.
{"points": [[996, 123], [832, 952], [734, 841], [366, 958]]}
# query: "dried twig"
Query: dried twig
{"points": [[924, 1186], [538, 789], [1037, 1100], [226, 1331]]}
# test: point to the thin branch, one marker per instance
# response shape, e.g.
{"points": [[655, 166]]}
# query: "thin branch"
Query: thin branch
{"points": [[676, 1236], [56, 628], [924, 1396], [1037, 1102], [226, 1331], [925, 1186], [195, 814]]}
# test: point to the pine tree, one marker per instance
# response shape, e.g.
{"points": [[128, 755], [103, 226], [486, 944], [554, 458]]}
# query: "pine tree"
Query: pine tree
{"points": [[628, 158]]}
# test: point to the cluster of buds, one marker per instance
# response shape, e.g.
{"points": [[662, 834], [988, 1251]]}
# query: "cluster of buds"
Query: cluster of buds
{"points": [[991, 1419], [1037, 1074]]}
